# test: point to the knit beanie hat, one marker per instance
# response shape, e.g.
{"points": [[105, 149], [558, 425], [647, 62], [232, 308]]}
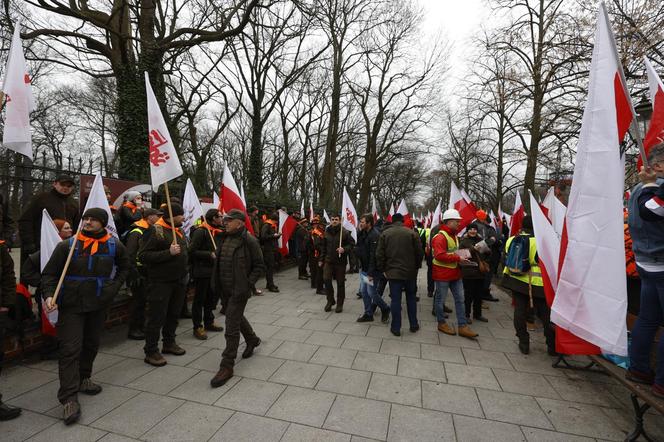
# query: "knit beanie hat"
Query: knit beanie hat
{"points": [[97, 213]]}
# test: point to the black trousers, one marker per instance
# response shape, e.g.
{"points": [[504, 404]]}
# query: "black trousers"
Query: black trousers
{"points": [[473, 293], [204, 303], [430, 285], [521, 307], [270, 264], [338, 272], [164, 303], [236, 324], [79, 335], [302, 262], [315, 271], [137, 305]]}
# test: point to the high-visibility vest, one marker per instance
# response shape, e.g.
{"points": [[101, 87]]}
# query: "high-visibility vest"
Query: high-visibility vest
{"points": [[452, 246], [535, 273]]}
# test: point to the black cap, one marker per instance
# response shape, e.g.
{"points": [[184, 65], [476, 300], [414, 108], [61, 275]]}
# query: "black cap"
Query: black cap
{"points": [[150, 211], [64, 178], [235, 214], [472, 225], [97, 213], [210, 214], [177, 209]]}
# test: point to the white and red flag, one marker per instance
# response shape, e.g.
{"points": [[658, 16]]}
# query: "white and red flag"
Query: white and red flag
{"points": [[302, 209], [20, 102], [374, 209], [555, 211], [164, 162], [655, 205], [407, 217], [390, 213], [460, 201], [591, 297], [326, 217], [97, 198], [311, 212], [193, 210], [435, 218], [244, 200], [519, 213], [49, 239], [655, 134], [231, 198], [216, 202], [493, 222], [349, 219], [287, 226]]}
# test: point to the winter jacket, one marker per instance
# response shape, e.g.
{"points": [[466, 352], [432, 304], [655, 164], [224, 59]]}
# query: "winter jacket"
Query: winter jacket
{"points": [[7, 277], [128, 214], [440, 253], [202, 251], [154, 254], [238, 265], [7, 224], [269, 243], [57, 205], [330, 245], [473, 272], [399, 252], [646, 228], [367, 243]]}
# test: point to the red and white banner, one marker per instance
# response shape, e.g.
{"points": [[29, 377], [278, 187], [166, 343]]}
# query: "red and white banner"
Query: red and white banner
{"points": [[460, 201], [655, 134], [231, 198], [49, 239], [435, 218], [555, 211], [193, 210], [519, 213], [287, 226], [164, 161], [591, 298], [97, 198], [16, 85], [349, 219], [374, 209]]}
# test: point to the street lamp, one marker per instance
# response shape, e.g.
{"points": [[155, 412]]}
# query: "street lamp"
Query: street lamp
{"points": [[643, 111]]}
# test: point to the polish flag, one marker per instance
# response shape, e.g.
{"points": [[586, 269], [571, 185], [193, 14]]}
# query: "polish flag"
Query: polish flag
{"points": [[215, 200], [548, 251], [49, 239], [287, 226], [390, 213], [517, 216], [493, 221], [164, 161], [20, 102], [193, 210], [326, 217], [435, 218], [374, 209], [311, 212], [349, 219], [231, 198], [460, 201], [655, 134], [407, 217], [591, 297], [244, 200], [555, 211]]}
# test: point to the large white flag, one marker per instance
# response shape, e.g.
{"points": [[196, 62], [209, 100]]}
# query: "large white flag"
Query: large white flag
{"points": [[19, 100], [374, 209], [49, 239], [164, 161], [555, 211], [591, 299], [349, 219], [192, 207], [97, 198], [402, 209], [548, 242], [435, 220], [215, 200]]}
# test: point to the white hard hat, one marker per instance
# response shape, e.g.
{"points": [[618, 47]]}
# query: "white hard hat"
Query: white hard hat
{"points": [[451, 214]]}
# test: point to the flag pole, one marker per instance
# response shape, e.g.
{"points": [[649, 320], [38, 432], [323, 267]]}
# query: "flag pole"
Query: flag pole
{"points": [[214, 244], [66, 266], [170, 211], [341, 235]]}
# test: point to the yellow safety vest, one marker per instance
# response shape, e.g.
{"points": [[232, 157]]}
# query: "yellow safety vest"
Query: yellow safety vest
{"points": [[452, 246], [535, 273]]}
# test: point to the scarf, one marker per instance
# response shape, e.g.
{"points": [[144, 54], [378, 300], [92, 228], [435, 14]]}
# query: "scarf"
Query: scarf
{"points": [[214, 230], [318, 232], [272, 223], [131, 206], [91, 242], [143, 224], [167, 226]]}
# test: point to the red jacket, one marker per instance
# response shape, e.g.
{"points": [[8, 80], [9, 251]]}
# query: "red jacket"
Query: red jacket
{"points": [[439, 246]]}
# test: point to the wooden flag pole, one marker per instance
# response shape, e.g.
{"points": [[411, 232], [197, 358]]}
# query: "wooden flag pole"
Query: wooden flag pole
{"points": [[66, 266], [341, 235], [170, 211], [214, 244]]}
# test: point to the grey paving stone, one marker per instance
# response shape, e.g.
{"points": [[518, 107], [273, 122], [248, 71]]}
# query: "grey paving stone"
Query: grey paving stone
{"points": [[190, 422], [443, 354], [407, 423], [361, 439], [290, 321], [326, 338], [530, 384], [94, 407], [421, 369], [52, 364], [295, 351], [481, 377], [18, 380], [265, 331], [344, 381], [242, 427], [26, 425], [257, 367], [102, 362], [73, 433], [483, 358], [580, 419], [300, 433], [451, 398], [362, 417], [150, 407], [623, 419], [584, 392], [351, 328], [473, 429], [376, 362], [534, 363], [40, 399], [217, 341], [163, 379], [198, 389], [125, 348], [381, 331], [337, 357], [193, 353], [292, 334], [513, 408], [124, 372], [302, 406], [112, 437], [423, 336], [399, 348], [251, 396], [539, 435], [267, 346], [264, 318], [300, 374], [208, 361], [320, 325], [494, 344], [362, 343], [457, 341], [395, 389]]}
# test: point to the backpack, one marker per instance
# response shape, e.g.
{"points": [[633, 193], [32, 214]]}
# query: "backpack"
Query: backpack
{"points": [[518, 255]]}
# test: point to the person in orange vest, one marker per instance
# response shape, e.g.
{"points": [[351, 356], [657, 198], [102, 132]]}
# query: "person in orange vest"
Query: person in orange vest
{"points": [[268, 239], [314, 248], [130, 211]]}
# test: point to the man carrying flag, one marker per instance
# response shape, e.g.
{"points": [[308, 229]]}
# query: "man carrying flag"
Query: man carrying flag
{"points": [[269, 238], [337, 243]]}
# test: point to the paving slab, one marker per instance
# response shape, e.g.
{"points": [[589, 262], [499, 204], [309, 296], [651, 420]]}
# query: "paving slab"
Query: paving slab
{"points": [[163, 379], [302, 406], [376, 362], [530, 384], [190, 422], [242, 427], [326, 338], [344, 381], [362, 343], [421, 369], [395, 389], [451, 398], [474, 429], [300, 433], [513, 408], [336, 357], [295, 351], [198, 389], [484, 358], [362, 417], [296, 373], [580, 419], [442, 353], [26, 425], [408, 423], [400, 348], [481, 377], [251, 396], [69, 433]]}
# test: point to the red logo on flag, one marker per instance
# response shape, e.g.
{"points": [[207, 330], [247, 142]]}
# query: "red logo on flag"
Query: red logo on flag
{"points": [[157, 140], [26, 79], [350, 217]]}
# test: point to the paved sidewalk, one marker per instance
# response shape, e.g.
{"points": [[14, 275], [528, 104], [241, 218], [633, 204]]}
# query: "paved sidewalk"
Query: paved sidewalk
{"points": [[322, 376]]}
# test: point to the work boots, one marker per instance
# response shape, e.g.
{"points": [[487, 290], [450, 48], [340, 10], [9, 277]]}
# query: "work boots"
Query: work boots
{"points": [[340, 305], [467, 332]]}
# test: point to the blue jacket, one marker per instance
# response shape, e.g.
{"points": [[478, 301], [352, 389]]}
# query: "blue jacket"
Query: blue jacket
{"points": [[648, 230]]}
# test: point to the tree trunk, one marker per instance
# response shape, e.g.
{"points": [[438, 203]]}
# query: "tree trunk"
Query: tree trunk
{"points": [[131, 111], [255, 178], [329, 165]]}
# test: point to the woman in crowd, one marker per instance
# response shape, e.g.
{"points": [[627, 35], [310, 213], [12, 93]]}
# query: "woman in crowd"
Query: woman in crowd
{"points": [[473, 275]]}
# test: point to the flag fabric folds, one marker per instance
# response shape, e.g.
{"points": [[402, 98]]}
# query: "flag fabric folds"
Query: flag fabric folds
{"points": [[460, 201], [326, 217], [49, 239], [349, 219], [97, 198], [655, 134], [231, 198], [516, 221], [435, 218], [193, 210], [591, 297], [287, 226], [555, 211]]}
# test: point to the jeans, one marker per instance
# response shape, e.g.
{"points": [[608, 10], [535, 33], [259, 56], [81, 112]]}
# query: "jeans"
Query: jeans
{"points": [[439, 300], [396, 286], [650, 317], [370, 296]]}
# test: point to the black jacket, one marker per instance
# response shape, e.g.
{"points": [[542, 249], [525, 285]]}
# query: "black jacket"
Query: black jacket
{"points": [[57, 205], [247, 267], [154, 253], [399, 252], [7, 277], [367, 242], [328, 253], [81, 290], [201, 252], [7, 225]]}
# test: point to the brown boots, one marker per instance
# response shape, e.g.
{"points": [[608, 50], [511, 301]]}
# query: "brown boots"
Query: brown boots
{"points": [[464, 331]]}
